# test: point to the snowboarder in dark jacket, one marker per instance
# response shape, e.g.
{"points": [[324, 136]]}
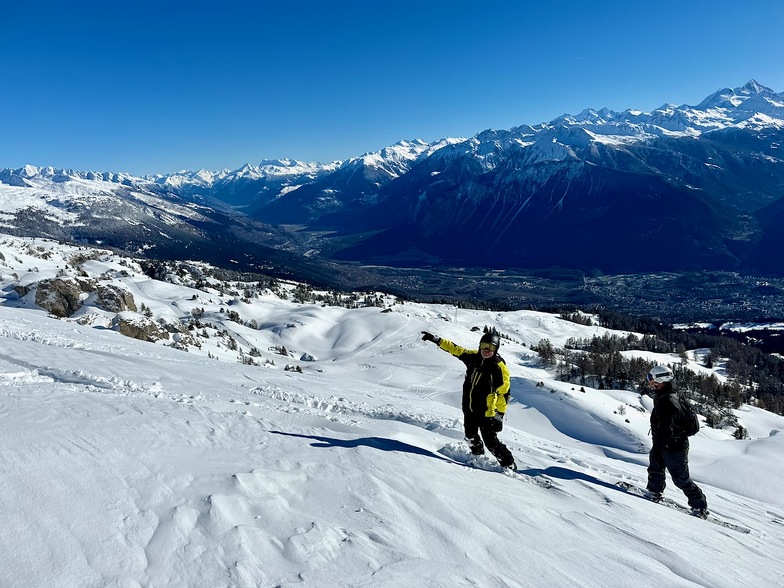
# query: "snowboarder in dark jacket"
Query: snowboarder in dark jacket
{"points": [[670, 449], [485, 394]]}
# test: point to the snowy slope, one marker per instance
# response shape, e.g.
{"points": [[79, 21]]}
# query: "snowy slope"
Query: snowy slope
{"points": [[66, 196], [126, 463]]}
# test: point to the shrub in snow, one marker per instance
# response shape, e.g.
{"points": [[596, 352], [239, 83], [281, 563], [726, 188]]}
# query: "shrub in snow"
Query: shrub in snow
{"points": [[741, 433]]}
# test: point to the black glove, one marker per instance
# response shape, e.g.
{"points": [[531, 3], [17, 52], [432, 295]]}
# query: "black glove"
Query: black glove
{"points": [[496, 423], [430, 337]]}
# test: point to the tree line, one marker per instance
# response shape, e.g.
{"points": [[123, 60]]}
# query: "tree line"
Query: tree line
{"points": [[752, 376]]}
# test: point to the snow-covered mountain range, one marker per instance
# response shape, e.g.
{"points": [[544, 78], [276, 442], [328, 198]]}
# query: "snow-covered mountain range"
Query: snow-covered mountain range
{"points": [[145, 216], [681, 187], [254, 440]]}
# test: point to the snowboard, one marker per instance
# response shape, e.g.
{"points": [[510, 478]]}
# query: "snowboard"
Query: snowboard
{"points": [[642, 493], [459, 453]]}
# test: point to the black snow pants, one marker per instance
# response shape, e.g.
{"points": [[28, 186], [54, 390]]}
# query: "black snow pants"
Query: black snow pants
{"points": [[677, 463], [474, 425]]}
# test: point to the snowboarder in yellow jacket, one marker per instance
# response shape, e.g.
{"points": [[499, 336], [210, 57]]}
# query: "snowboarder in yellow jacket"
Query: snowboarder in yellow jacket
{"points": [[485, 394]]}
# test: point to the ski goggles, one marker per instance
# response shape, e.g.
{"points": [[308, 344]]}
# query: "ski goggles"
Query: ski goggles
{"points": [[487, 347]]}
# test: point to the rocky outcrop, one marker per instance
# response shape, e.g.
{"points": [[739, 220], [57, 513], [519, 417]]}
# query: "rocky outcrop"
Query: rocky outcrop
{"points": [[61, 297], [114, 299], [139, 327]]}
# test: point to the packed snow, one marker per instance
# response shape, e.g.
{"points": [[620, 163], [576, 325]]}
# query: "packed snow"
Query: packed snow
{"points": [[130, 463]]}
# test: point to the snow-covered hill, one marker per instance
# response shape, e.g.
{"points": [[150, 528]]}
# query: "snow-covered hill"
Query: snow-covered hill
{"points": [[131, 463]]}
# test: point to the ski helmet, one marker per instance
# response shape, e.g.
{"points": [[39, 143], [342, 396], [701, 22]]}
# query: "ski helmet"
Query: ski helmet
{"points": [[660, 374], [491, 338]]}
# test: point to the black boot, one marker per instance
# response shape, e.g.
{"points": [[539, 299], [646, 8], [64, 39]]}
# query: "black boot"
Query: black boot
{"points": [[508, 462], [476, 446], [499, 450]]}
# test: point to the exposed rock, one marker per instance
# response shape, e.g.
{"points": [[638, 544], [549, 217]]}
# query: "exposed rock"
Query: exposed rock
{"points": [[59, 297], [115, 299], [139, 327], [173, 325]]}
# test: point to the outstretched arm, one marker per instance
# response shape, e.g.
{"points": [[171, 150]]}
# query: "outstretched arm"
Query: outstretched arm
{"points": [[456, 350], [448, 346]]}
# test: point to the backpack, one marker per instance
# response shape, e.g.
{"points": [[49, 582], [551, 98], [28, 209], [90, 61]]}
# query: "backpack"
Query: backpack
{"points": [[687, 420]]}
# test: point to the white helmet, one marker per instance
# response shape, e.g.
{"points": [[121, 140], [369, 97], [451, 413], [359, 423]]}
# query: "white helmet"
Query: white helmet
{"points": [[660, 374]]}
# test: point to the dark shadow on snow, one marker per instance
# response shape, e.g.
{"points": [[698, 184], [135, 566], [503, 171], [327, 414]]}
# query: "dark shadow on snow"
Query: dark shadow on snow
{"points": [[379, 443], [567, 474], [382, 444]]}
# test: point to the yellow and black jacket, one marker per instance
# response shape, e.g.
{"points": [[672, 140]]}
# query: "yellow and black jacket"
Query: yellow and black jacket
{"points": [[486, 385]]}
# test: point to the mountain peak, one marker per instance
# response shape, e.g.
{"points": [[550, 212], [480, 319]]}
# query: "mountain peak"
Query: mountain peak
{"points": [[28, 171], [753, 87], [732, 98], [281, 162]]}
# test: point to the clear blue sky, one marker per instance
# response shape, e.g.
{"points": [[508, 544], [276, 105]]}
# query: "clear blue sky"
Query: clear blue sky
{"points": [[157, 86]]}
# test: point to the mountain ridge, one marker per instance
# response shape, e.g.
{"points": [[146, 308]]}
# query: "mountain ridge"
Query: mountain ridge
{"points": [[570, 192], [723, 99]]}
